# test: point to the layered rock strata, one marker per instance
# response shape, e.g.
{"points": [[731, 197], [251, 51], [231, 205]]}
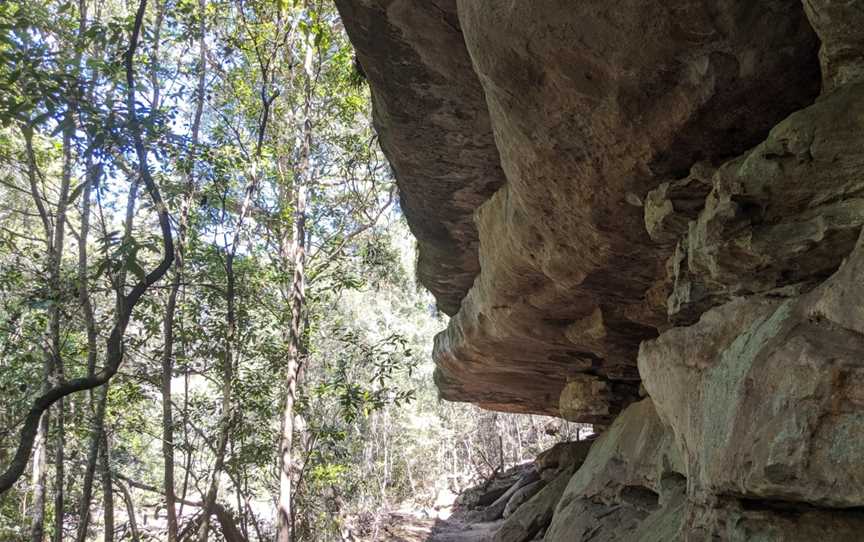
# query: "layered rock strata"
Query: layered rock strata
{"points": [[644, 214], [584, 109]]}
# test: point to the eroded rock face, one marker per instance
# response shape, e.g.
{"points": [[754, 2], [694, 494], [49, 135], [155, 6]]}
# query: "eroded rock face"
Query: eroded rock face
{"points": [[683, 175], [766, 396], [583, 108], [434, 127], [592, 106], [763, 393], [631, 482], [778, 220]]}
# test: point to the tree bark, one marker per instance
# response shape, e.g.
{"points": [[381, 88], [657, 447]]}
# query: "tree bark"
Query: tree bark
{"points": [[227, 407], [97, 438], [107, 489], [55, 241], [284, 510], [40, 465], [130, 510], [170, 309], [226, 519]]}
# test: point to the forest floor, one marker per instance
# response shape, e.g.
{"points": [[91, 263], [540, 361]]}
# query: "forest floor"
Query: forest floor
{"points": [[450, 517], [407, 527]]}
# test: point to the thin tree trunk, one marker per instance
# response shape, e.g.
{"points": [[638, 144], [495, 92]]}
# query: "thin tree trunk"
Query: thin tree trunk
{"points": [[40, 455], [99, 397], [97, 438], [284, 512], [40, 465], [226, 519], [59, 467], [55, 239], [227, 407], [231, 298], [167, 418], [187, 463], [107, 489], [168, 328], [130, 510]]}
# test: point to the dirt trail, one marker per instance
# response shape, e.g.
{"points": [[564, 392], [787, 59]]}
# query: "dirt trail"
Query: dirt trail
{"points": [[406, 527]]}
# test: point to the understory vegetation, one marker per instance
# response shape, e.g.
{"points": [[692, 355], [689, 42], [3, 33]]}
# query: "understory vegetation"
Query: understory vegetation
{"points": [[209, 323]]}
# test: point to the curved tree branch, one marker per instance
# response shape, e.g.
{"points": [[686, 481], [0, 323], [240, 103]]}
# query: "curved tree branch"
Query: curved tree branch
{"points": [[125, 302]]}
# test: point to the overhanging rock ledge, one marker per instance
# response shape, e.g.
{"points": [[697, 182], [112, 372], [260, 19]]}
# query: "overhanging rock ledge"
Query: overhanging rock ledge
{"points": [[526, 137], [644, 214]]}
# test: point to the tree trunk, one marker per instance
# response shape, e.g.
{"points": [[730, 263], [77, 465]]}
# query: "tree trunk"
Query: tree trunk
{"points": [[167, 419], [130, 510], [97, 438], [284, 511], [107, 489], [228, 524], [40, 464], [59, 470], [227, 407], [168, 329], [55, 239], [98, 399]]}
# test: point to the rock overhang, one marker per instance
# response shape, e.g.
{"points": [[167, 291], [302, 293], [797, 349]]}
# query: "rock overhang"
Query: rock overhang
{"points": [[526, 138], [679, 191]]}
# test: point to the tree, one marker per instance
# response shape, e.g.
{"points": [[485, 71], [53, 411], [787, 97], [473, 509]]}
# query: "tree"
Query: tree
{"points": [[198, 229]]}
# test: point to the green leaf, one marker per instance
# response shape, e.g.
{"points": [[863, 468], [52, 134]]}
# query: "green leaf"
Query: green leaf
{"points": [[77, 192], [136, 269]]}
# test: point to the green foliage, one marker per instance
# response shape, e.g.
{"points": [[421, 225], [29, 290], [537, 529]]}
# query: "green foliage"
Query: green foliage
{"points": [[369, 430]]}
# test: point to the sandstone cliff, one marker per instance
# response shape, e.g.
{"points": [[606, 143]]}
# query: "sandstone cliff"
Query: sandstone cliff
{"points": [[645, 214]]}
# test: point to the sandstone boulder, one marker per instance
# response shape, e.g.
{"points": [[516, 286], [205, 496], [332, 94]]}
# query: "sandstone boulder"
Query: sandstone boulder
{"points": [[535, 514], [521, 496], [766, 396], [630, 483], [496, 509], [563, 455]]}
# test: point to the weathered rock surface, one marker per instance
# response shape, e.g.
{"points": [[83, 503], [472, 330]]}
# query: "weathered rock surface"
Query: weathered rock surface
{"points": [[493, 489], [496, 509], [766, 396], [521, 496], [535, 514], [595, 184], [779, 219], [434, 128], [632, 475], [590, 108], [562, 455]]}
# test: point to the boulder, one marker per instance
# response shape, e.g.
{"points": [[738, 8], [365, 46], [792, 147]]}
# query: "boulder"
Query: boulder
{"points": [[563, 455], [535, 514], [492, 489], [522, 495], [766, 396], [496, 509], [631, 482]]}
